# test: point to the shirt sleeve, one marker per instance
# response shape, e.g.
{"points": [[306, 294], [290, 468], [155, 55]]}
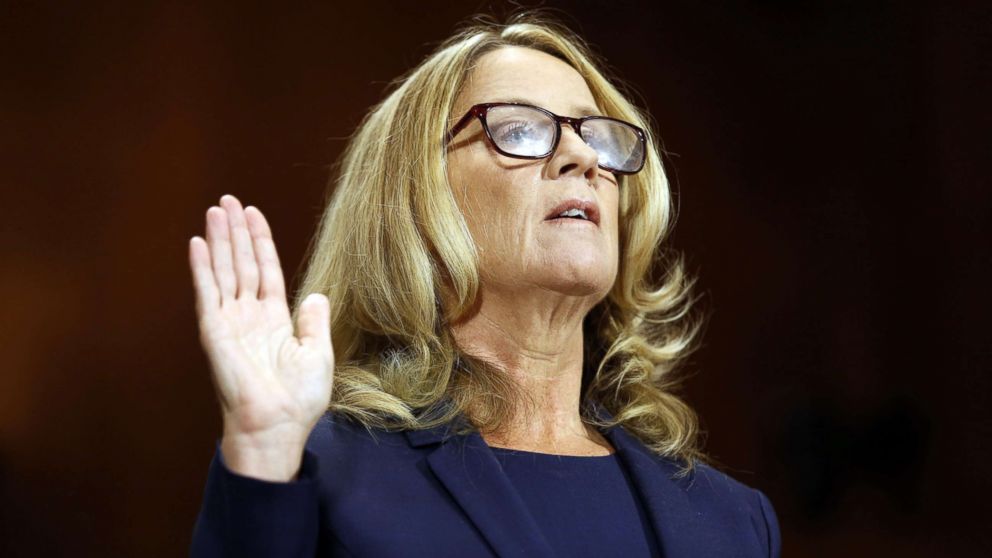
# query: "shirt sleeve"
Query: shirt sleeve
{"points": [[248, 517], [771, 525]]}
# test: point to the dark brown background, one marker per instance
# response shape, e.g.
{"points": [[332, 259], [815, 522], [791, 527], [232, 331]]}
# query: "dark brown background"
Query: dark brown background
{"points": [[831, 171]]}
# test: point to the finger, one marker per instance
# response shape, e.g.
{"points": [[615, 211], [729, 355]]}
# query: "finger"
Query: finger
{"points": [[271, 283], [245, 265], [204, 283], [219, 241], [314, 323]]}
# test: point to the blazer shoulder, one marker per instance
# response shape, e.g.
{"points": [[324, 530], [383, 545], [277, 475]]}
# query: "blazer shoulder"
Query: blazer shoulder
{"points": [[716, 489], [708, 485], [707, 477], [336, 437]]}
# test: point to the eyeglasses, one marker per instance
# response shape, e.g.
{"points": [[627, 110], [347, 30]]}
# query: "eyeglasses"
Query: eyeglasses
{"points": [[529, 132]]}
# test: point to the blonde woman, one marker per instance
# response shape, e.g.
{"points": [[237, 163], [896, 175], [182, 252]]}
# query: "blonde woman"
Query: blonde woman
{"points": [[481, 364]]}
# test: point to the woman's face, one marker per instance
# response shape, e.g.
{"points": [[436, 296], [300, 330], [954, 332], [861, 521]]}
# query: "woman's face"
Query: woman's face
{"points": [[507, 201]]}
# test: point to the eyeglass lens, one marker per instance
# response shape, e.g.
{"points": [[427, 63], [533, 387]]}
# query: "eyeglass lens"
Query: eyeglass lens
{"points": [[530, 133]]}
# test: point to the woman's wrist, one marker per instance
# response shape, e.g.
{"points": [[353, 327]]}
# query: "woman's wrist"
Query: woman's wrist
{"points": [[273, 462]]}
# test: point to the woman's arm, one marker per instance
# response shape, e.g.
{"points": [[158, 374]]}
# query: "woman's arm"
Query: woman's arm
{"points": [[273, 384], [248, 517], [773, 534]]}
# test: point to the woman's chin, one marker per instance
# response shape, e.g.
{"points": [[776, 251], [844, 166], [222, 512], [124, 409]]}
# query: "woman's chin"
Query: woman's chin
{"points": [[577, 281]]}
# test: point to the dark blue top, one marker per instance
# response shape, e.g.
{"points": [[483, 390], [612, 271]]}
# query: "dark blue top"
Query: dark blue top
{"points": [[585, 505]]}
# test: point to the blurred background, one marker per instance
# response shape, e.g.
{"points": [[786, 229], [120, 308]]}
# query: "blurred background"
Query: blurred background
{"points": [[830, 162]]}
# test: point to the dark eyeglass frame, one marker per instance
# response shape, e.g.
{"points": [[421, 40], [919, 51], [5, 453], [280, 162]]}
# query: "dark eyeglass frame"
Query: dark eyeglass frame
{"points": [[481, 110]]}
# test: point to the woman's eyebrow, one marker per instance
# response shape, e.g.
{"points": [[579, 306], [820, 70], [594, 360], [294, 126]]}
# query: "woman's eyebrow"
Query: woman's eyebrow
{"points": [[585, 111], [580, 110]]}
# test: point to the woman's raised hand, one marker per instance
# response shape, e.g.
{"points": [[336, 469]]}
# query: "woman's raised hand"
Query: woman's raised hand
{"points": [[273, 384]]}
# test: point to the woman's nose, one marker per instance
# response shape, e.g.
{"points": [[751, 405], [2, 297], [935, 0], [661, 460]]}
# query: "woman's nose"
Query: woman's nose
{"points": [[573, 156]]}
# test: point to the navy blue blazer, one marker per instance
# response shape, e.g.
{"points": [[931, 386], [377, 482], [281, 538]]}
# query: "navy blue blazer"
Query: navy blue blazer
{"points": [[434, 494]]}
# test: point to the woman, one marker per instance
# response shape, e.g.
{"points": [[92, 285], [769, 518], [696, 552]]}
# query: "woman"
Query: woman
{"points": [[481, 366]]}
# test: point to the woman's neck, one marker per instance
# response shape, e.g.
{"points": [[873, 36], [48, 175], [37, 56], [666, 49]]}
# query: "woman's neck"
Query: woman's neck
{"points": [[543, 356]]}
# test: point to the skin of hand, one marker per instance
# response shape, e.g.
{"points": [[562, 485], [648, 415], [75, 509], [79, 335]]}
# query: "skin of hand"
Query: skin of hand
{"points": [[539, 278], [273, 383]]}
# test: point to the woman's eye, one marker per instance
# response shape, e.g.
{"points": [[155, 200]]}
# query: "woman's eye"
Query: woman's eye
{"points": [[593, 136], [513, 131]]}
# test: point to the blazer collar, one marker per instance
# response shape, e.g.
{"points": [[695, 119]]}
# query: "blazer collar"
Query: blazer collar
{"points": [[469, 470]]}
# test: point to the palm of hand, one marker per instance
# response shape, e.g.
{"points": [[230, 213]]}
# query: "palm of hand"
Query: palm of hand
{"points": [[268, 377], [270, 382]]}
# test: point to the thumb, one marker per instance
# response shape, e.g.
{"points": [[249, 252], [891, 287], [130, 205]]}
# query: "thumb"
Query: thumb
{"points": [[314, 322]]}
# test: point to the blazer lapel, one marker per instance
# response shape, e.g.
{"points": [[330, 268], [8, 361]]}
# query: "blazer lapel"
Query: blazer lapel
{"points": [[681, 529], [467, 467], [666, 503]]}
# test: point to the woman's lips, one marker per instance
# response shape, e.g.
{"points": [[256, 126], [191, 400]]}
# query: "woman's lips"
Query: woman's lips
{"points": [[589, 207], [571, 222]]}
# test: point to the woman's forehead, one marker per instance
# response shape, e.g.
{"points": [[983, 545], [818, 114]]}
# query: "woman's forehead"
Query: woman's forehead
{"points": [[524, 75]]}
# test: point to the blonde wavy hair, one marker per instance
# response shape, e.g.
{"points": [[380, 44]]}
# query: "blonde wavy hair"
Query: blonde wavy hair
{"points": [[395, 257]]}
